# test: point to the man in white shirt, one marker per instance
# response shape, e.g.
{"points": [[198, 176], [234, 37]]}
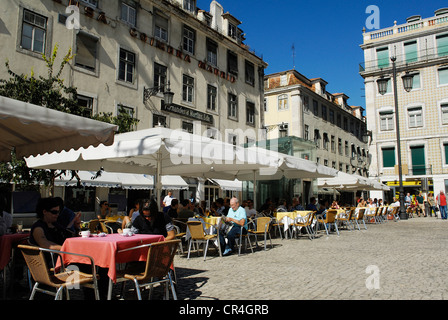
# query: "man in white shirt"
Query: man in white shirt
{"points": [[236, 216], [167, 201], [250, 210]]}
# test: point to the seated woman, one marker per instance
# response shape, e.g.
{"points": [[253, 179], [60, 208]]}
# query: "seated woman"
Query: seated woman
{"points": [[151, 221], [105, 210], [46, 232]]}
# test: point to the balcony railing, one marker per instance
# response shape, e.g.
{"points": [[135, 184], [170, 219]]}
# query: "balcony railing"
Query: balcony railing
{"points": [[420, 170], [407, 27], [409, 61]]}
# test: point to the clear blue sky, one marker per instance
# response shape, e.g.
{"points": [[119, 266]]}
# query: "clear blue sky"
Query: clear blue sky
{"points": [[326, 34]]}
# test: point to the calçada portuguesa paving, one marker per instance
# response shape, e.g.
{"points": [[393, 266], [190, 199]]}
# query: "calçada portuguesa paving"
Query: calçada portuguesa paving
{"points": [[403, 260]]}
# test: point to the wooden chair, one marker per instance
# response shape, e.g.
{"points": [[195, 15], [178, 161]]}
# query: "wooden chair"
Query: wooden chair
{"points": [[98, 225], [198, 236], [157, 267], [330, 218], [66, 279], [347, 219], [306, 223], [395, 213], [261, 228], [373, 215], [360, 217]]}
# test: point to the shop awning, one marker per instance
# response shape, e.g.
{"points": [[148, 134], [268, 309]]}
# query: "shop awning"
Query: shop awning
{"points": [[229, 185]]}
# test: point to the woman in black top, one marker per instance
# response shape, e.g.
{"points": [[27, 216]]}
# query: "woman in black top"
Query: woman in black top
{"points": [[151, 221], [46, 232]]}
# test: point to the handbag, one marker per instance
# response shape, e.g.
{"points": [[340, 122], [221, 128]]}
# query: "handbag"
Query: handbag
{"points": [[436, 209]]}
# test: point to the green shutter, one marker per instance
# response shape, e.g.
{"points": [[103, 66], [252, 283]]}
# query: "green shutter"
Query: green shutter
{"points": [[442, 45], [445, 146], [382, 56], [410, 49], [388, 157], [418, 160]]}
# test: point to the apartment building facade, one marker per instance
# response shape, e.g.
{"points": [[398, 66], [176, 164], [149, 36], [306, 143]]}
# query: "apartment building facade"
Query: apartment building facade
{"points": [[297, 106], [420, 49], [127, 53]]}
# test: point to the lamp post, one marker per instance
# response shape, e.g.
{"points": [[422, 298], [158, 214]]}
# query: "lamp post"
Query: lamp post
{"points": [[382, 88], [167, 93]]}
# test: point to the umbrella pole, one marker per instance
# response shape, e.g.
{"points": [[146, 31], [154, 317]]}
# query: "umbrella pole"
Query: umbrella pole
{"points": [[255, 189], [158, 178]]}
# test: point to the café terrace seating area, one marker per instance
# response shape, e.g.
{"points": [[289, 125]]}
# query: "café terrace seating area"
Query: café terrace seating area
{"points": [[147, 261]]}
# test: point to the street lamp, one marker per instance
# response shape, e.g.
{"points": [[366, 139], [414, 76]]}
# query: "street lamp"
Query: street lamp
{"points": [[382, 89], [167, 94]]}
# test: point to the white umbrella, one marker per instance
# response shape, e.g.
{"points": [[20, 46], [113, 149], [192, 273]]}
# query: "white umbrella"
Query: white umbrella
{"points": [[160, 151], [32, 130], [345, 181]]}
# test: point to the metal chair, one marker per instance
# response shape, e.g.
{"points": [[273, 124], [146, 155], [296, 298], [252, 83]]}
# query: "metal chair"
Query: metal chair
{"points": [[330, 218], [347, 219], [360, 217], [372, 215], [305, 222], [157, 267], [198, 236], [99, 225], [66, 279], [261, 228]]}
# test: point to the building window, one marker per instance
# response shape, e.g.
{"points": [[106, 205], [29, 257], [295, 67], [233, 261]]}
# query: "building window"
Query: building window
{"points": [[415, 117], [386, 120], [160, 76], [34, 32], [382, 56], [190, 5], [250, 113], [123, 110], [418, 160], [416, 81], [189, 39], [347, 151], [333, 144], [86, 51], [158, 121], [233, 106], [324, 112], [442, 45], [410, 50], [232, 63], [332, 116], [250, 73], [212, 52], [325, 141], [306, 103], [306, 132], [443, 76], [315, 108], [187, 88], [283, 102], [317, 137], [232, 139], [92, 3], [339, 120], [126, 66], [388, 157], [445, 148], [444, 112], [340, 146], [187, 126], [232, 32], [86, 103], [128, 14], [211, 97], [160, 27]]}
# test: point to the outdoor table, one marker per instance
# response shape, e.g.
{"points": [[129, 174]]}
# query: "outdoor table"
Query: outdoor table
{"points": [[104, 251], [287, 218], [7, 244]]}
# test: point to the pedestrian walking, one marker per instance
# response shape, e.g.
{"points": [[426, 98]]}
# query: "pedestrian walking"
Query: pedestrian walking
{"points": [[432, 205], [441, 201]]}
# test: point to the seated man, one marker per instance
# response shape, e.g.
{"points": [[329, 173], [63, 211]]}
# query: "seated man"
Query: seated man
{"points": [[236, 216]]}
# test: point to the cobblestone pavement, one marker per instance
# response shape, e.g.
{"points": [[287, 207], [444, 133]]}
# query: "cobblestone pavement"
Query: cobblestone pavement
{"points": [[393, 260], [402, 260]]}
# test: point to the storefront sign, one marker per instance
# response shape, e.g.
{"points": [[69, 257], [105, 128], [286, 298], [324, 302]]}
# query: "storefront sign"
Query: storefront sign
{"points": [[187, 112]]}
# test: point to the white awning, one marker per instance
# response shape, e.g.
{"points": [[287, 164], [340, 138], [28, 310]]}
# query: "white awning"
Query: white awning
{"points": [[120, 180], [33, 130], [229, 185]]}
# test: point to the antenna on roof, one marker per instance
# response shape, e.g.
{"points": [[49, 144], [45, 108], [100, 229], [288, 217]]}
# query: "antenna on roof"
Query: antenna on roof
{"points": [[293, 57]]}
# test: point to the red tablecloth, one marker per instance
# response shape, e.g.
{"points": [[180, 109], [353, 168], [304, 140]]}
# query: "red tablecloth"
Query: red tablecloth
{"points": [[7, 241], [104, 250]]}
